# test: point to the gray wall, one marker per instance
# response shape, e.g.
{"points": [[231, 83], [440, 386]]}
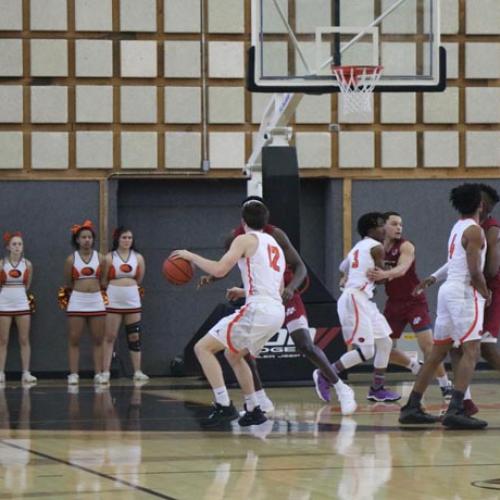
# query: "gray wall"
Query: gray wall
{"points": [[44, 211]]}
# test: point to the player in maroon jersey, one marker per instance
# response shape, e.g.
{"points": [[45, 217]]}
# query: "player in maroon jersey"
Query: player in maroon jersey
{"points": [[491, 325], [295, 316], [402, 307]]}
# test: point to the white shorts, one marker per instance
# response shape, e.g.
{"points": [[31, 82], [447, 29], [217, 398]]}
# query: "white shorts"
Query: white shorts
{"points": [[299, 323], [123, 299], [86, 304], [460, 313], [250, 327], [487, 338], [360, 318], [14, 301]]}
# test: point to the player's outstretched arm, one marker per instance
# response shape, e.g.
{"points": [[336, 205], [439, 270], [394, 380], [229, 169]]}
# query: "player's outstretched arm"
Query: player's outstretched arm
{"points": [[439, 275], [406, 258], [239, 247]]}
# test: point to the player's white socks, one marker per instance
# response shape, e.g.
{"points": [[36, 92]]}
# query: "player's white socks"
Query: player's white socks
{"points": [[222, 396], [467, 394], [443, 381], [413, 366], [261, 395], [251, 401]]}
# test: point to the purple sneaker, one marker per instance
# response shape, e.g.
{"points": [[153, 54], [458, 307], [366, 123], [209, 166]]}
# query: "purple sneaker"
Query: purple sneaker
{"points": [[382, 395], [322, 386]]}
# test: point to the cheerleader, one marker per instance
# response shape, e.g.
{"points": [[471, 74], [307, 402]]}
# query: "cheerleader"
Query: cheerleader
{"points": [[15, 278], [126, 269], [82, 275]]}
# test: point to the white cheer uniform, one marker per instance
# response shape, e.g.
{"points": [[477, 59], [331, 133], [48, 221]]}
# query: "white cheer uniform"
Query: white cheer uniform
{"points": [[13, 297], [263, 313], [360, 318], [124, 299], [86, 303], [460, 308]]}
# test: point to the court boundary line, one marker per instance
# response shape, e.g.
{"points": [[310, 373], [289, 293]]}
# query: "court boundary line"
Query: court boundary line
{"points": [[90, 471]]}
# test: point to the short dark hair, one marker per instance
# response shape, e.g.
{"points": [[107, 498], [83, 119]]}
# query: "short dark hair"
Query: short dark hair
{"points": [[74, 237], [388, 214], [368, 221], [253, 198], [116, 237], [255, 214], [466, 198], [491, 192]]}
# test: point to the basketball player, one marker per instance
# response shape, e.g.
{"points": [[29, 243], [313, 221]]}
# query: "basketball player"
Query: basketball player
{"points": [[402, 306], [460, 313], [82, 274], [296, 323], [125, 271], [363, 326], [262, 264], [16, 274], [491, 228]]}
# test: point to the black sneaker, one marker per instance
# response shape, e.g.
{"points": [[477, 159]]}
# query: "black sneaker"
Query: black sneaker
{"points": [[254, 417], [220, 415], [457, 419], [412, 415], [447, 392]]}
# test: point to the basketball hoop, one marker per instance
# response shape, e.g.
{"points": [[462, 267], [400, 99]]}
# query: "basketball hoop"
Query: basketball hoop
{"points": [[356, 84]]}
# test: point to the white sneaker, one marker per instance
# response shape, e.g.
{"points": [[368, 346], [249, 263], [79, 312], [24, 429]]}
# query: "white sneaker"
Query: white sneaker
{"points": [[105, 378], [346, 399], [27, 378], [139, 376], [2, 377], [73, 379], [97, 379], [266, 405]]}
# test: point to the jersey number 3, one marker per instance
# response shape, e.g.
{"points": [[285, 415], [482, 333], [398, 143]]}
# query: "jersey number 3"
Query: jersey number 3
{"points": [[274, 255]]}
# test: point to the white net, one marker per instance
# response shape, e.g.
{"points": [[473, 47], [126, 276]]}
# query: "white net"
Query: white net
{"points": [[356, 84]]}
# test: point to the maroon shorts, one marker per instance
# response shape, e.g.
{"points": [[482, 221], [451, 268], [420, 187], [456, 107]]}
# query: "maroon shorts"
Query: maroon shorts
{"points": [[492, 314], [399, 314], [294, 309]]}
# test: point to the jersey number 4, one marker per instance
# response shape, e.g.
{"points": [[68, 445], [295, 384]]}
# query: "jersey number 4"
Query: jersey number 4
{"points": [[355, 260], [452, 246], [274, 256]]}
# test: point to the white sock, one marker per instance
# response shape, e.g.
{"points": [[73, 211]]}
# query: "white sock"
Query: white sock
{"points": [[251, 401], [413, 366], [222, 396], [339, 384], [443, 381], [467, 394], [261, 395]]}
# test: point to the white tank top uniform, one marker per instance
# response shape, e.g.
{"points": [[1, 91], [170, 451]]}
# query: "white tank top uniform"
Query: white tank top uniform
{"points": [[86, 303], [360, 318], [124, 299], [13, 297], [263, 313], [460, 308]]}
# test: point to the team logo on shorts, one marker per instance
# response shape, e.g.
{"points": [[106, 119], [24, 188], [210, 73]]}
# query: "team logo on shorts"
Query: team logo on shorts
{"points": [[290, 311], [417, 320]]}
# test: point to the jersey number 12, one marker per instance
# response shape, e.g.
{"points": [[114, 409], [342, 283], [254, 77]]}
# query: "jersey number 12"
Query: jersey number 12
{"points": [[274, 255]]}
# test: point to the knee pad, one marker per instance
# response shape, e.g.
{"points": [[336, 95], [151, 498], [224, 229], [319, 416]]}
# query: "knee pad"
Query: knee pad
{"points": [[366, 352], [133, 330]]}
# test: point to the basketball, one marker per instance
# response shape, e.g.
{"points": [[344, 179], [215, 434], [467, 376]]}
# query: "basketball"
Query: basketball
{"points": [[177, 271]]}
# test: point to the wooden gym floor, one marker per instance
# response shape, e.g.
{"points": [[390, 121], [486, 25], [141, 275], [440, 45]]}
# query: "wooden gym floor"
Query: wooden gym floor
{"points": [[146, 442]]}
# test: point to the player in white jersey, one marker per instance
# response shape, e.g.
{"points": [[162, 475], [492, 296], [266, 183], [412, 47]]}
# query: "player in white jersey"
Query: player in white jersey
{"points": [[363, 326], [460, 311], [262, 264]]}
